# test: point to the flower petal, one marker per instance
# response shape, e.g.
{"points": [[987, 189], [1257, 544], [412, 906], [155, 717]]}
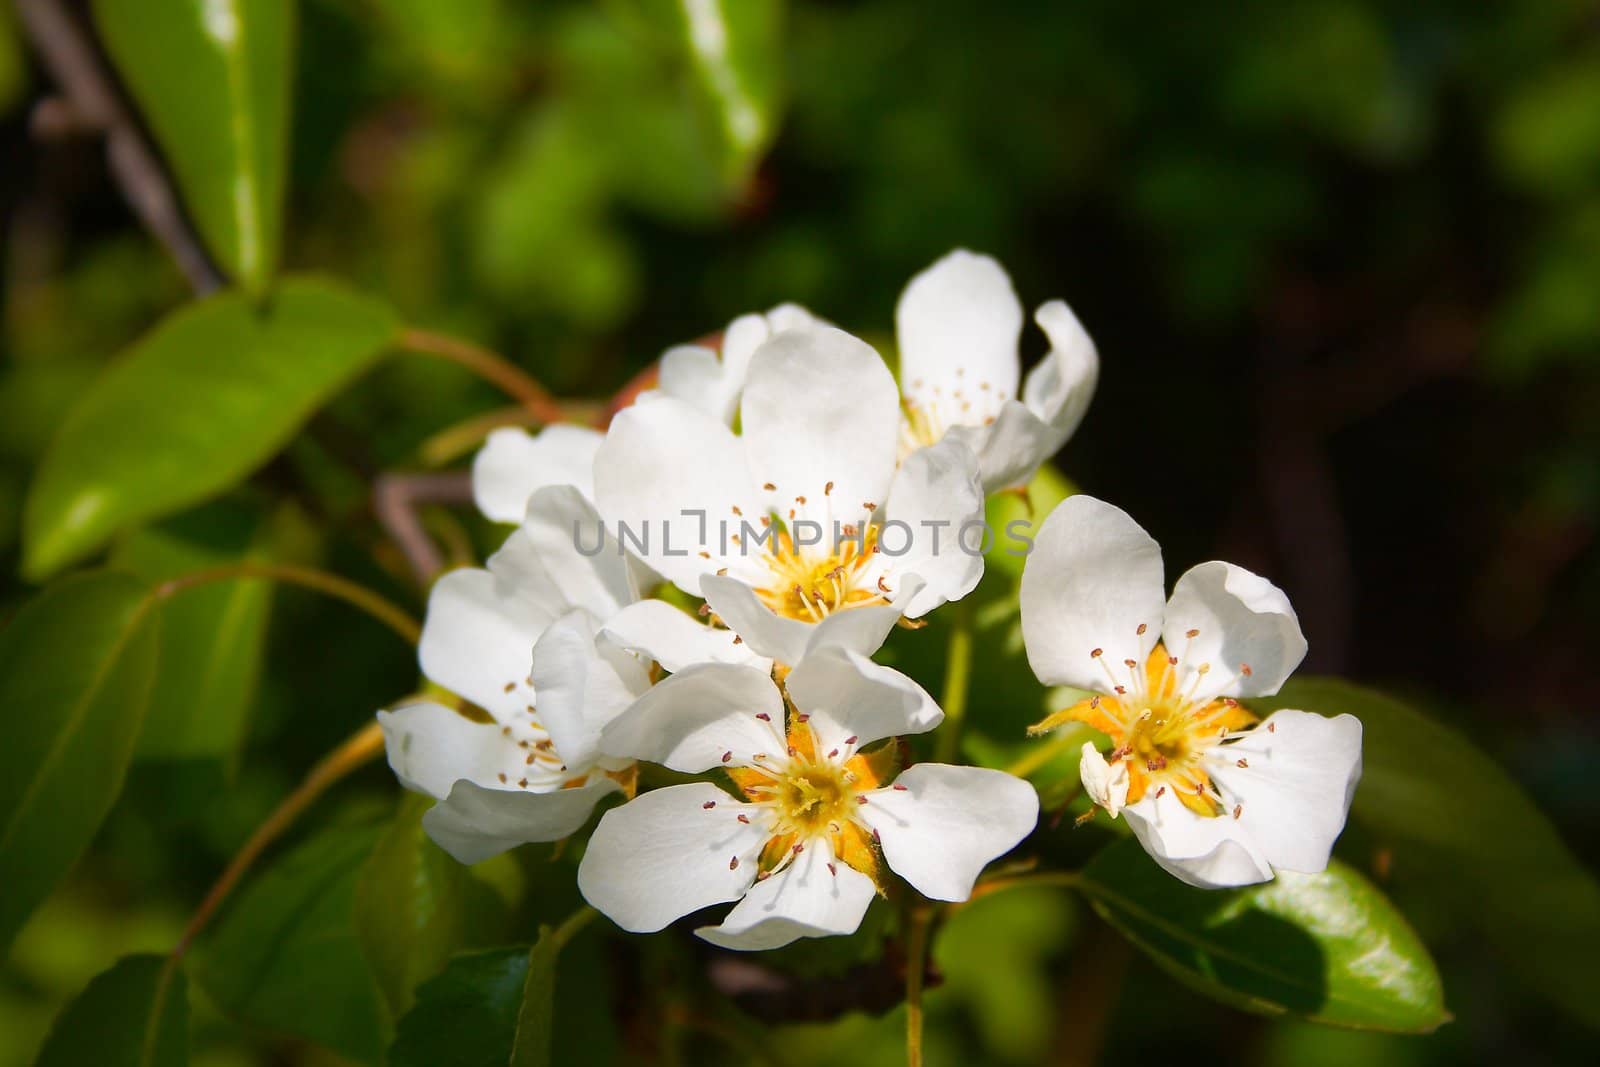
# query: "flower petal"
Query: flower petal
{"points": [[804, 899], [853, 701], [958, 323], [941, 824], [1010, 449], [666, 853], [1059, 389], [695, 718], [660, 465], [1092, 579], [1247, 632], [695, 375], [1295, 787], [513, 463], [937, 495], [477, 640], [764, 631], [675, 639], [561, 558], [821, 421], [474, 823], [1105, 785], [431, 747], [582, 685], [1211, 853]]}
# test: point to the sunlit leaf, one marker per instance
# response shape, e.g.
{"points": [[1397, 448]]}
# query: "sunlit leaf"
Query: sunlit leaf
{"points": [[1454, 820], [134, 1015], [416, 906], [194, 406], [212, 79], [487, 1008], [1329, 947], [200, 706], [76, 666], [285, 955]]}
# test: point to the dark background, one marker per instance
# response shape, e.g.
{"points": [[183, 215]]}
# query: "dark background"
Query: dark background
{"points": [[1341, 260]]}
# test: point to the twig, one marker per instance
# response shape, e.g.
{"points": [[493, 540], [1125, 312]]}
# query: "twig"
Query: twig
{"points": [[394, 501], [489, 366], [359, 596], [93, 102]]}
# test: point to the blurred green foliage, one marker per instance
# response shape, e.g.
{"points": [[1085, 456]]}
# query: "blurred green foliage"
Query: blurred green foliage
{"points": [[1341, 259]]}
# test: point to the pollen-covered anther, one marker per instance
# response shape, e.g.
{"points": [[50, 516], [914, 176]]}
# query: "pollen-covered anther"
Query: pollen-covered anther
{"points": [[1241, 762], [1141, 630], [708, 805], [733, 864]]}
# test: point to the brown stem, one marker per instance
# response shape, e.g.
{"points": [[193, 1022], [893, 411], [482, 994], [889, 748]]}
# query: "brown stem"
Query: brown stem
{"points": [[394, 500], [359, 750], [492, 368], [93, 101], [359, 596]]}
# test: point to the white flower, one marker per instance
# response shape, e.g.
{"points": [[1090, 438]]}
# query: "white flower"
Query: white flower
{"points": [[513, 464], [730, 516], [1215, 797], [1106, 783], [799, 848], [958, 323], [541, 601], [697, 375]]}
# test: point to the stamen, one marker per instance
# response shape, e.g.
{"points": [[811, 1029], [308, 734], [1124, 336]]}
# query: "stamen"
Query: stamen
{"points": [[708, 805]]}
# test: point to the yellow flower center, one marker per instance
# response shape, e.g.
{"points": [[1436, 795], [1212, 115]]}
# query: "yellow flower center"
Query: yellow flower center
{"points": [[811, 585], [1160, 732], [809, 795]]}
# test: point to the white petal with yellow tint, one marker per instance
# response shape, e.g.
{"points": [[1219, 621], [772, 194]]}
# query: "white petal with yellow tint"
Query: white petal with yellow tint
{"points": [[958, 324], [474, 823], [477, 640], [1246, 634], [430, 747], [853, 701], [816, 895], [940, 824], [703, 717], [1091, 582], [513, 464], [667, 853]]}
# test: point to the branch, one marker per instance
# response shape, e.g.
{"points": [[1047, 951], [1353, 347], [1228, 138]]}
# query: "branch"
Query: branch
{"points": [[92, 102], [394, 501]]}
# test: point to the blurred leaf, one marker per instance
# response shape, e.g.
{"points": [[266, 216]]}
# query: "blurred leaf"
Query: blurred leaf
{"points": [[127, 1017], [1329, 947], [993, 954], [191, 408], [213, 81], [76, 666], [286, 956], [1548, 134], [1015, 518], [1445, 808], [200, 706], [488, 1008], [13, 68], [416, 906], [735, 50]]}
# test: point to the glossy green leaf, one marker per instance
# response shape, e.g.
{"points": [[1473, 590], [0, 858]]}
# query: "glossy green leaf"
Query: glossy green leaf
{"points": [[212, 79], [1329, 947], [134, 1015], [416, 906], [285, 956], [194, 406], [1456, 823], [76, 666], [488, 1008], [200, 706]]}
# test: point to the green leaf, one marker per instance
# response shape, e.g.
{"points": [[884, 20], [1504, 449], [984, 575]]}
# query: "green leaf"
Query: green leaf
{"points": [[1328, 947], [200, 707], [286, 956], [193, 407], [1453, 820], [416, 906], [213, 81], [488, 1008], [76, 666], [134, 1015]]}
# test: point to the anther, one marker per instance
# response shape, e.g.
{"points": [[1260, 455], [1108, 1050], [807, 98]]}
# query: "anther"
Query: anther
{"points": [[882, 587], [851, 739], [1172, 661], [1142, 628], [877, 837], [1130, 663], [509, 687], [861, 799], [827, 489], [1121, 689], [529, 759], [799, 848], [1272, 727], [1097, 653], [708, 805], [744, 819], [800, 500], [1161, 792], [502, 778], [793, 752], [1244, 669], [704, 554], [1238, 809], [523, 782], [763, 716], [733, 864], [726, 756], [900, 788], [1242, 763], [738, 640], [869, 505], [1192, 634], [833, 870], [768, 486], [832, 754], [803, 717]]}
